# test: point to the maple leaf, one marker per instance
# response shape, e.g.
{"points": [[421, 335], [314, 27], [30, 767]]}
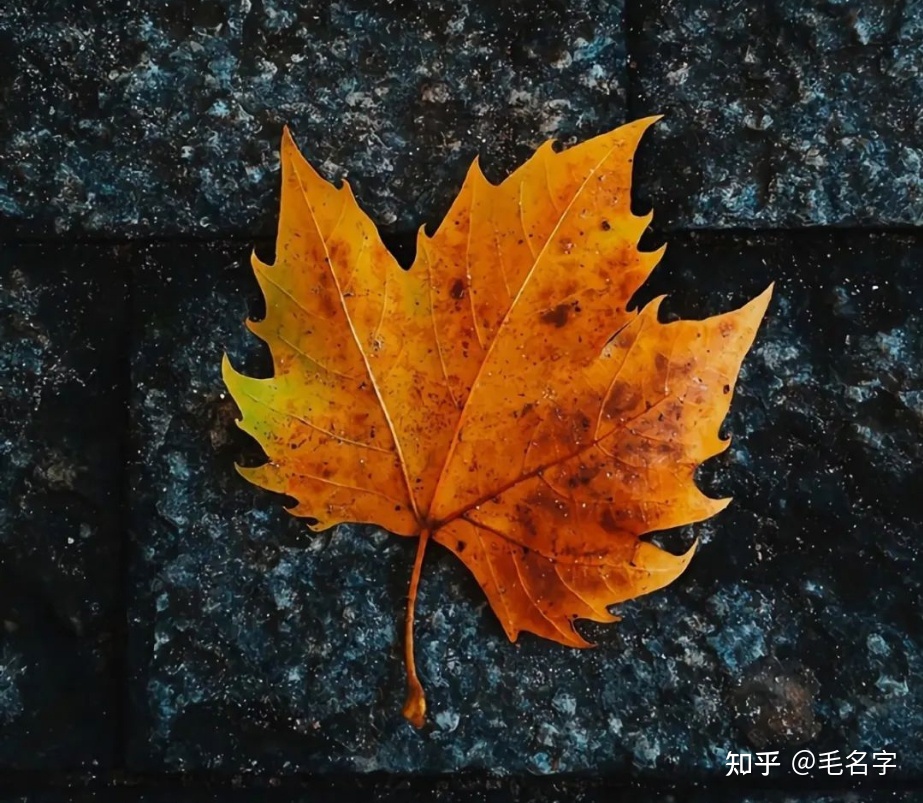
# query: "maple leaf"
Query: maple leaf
{"points": [[499, 397]]}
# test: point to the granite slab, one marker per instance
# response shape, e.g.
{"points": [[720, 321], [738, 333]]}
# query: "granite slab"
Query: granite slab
{"points": [[464, 790], [256, 645], [361, 789], [159, 119], [783, 114], [63, 423]]}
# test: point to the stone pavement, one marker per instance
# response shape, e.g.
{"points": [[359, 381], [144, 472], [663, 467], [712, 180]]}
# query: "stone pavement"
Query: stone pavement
{"points": [[170, 633]]}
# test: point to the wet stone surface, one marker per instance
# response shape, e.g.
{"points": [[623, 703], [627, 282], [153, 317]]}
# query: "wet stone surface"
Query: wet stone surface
{"points": [[62, 420], [257, 644], [788, 113], [167, 120]]}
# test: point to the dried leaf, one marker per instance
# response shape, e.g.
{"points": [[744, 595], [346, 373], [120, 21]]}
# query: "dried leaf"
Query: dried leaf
{"points": [[500, 397]]}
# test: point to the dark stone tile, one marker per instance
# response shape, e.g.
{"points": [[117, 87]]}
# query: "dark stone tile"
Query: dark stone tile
{"points": [[787, 113], [362, 789], [455, 790], [258, 645], [823, 540], [63, 421], [166, 118], [848, 795]]}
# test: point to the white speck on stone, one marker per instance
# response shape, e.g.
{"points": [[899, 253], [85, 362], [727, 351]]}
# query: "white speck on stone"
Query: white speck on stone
{"points": [[678, 76], [565, 704], [877, 645], [447, 720]]}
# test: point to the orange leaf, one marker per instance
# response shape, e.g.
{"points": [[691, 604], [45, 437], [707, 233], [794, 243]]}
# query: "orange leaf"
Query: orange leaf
{"points": [[499, 397]]}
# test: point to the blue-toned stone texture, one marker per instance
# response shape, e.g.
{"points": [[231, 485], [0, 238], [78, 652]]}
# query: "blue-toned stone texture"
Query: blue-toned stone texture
{"points": [[165, 118], [169, 633], [63, 420], [456, 790], [780, 114], [256, 643]]}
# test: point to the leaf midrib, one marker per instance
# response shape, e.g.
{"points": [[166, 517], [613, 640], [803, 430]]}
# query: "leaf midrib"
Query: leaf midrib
{"points": [[362, 354], [434, 525]]}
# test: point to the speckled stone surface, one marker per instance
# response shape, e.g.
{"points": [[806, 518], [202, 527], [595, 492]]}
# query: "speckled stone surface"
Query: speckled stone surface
{"points": [[787, 113], [464, 790], [385, 790], [257, 645], [166, 119], [62, 422], [169, 633]]}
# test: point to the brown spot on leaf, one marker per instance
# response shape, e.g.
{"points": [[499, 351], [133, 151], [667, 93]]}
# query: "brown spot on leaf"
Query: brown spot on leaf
{"points": [[524, 517], [622, 399], [458, 290], [557, 316], [547, 501], [328, 305], [608, 523], [583, 476]]}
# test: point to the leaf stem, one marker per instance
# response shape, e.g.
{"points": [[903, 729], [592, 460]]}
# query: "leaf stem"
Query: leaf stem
{"points": [[415, 705]]}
